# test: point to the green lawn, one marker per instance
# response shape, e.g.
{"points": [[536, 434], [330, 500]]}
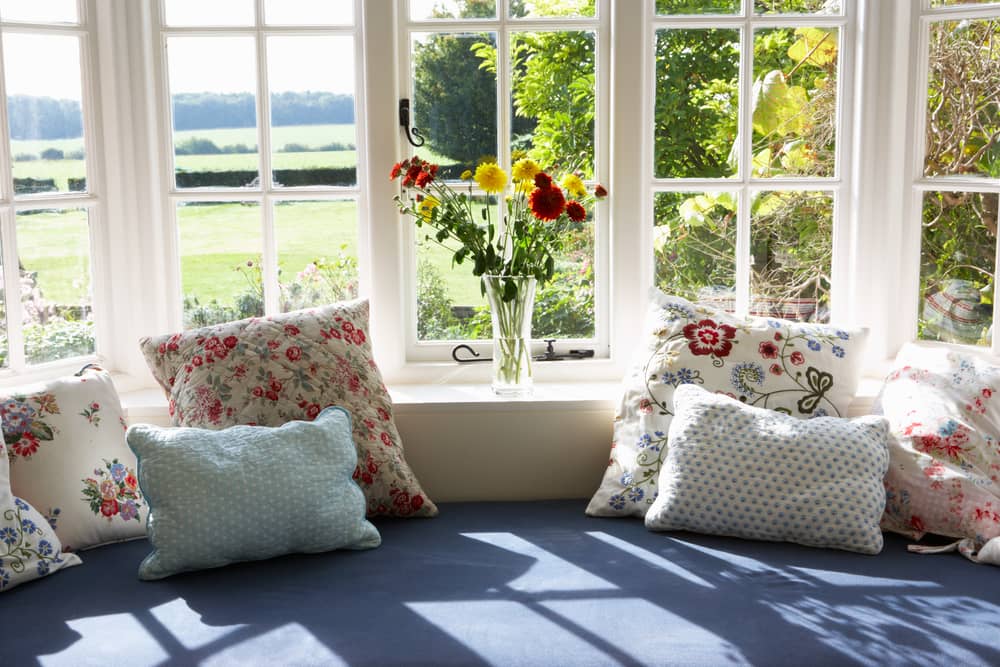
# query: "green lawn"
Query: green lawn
{"points": [[215, 239]]}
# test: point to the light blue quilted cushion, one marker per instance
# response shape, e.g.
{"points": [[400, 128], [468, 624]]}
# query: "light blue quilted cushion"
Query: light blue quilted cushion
{"points": [[249, 493], [748, 472]]}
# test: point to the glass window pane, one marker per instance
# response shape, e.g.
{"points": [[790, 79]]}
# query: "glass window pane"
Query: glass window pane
{"points": [[795, 102], [450, 305], [308, 12], [4, 344], [214, 13], [212, 84], [33, 11], [220, 250], [44, 111], [317, 252], [694, 246], [963, 99], [957, 267], [452, 9], [551, 8], [796, 6], [697, 100], [564, 307], [54, 254], [312, 111], [552, 85], [950, 3], [698, 6], [453, 74], [791, 253]]}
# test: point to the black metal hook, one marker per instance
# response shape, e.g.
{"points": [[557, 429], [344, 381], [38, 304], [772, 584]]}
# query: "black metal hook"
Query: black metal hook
{"points": [[454, 355], [404, 122]]}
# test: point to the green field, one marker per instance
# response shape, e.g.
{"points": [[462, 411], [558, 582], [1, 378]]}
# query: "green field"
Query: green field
{"points": [[215, 239]]}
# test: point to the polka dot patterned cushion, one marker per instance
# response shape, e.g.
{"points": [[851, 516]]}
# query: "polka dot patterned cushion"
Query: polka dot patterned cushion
{"points": [[747, 472]]}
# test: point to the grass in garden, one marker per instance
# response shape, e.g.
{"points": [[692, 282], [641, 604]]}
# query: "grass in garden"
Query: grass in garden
{"points": [[56, 245]]}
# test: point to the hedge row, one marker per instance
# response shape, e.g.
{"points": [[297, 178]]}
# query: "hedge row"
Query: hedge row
{"points": [[286, 177]]}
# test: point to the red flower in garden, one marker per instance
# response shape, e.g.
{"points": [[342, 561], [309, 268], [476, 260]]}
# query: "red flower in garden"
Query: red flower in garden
{"points": [[797, 358], [546, 203], [709, 338], [543, 180], [600, 191], [396, 170], [576, 211], [293, 353], [768, 350], [109, 507]]}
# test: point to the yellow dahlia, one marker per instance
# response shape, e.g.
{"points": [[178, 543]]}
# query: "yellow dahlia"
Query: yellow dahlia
{"points": [[466, 175], [427, 206], [574, 185], [525, 170], [490, 177]]}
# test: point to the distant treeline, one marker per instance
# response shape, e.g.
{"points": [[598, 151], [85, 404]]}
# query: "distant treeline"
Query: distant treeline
{"points": [[48, 118]]}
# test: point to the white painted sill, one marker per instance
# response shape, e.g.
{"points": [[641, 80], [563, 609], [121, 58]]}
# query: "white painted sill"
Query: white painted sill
{"points": [[552, 397]]}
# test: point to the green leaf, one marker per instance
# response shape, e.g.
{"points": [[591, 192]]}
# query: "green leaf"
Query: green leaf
{"points": [[41, 431], [816, 44]]}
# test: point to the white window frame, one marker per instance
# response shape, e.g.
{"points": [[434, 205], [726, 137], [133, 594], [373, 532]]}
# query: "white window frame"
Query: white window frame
{"points": [[91, 201], [744, 183], [503, 26], [265, 195], [920, 21]]}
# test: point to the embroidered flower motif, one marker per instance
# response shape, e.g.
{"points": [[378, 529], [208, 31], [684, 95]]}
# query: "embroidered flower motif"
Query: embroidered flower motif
{"points": [[797, 358], [91, 414], [24, 425], [838, 351], [113, 491], [745, 375], [768, 350], [708, 338], [813, 345]]}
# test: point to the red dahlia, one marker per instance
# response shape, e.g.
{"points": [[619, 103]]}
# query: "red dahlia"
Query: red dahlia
{"points": [[547, 203], [543, 180], [576, 212]]}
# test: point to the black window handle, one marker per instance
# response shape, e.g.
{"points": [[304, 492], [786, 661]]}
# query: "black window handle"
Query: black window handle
{"points": [[404, 122]]}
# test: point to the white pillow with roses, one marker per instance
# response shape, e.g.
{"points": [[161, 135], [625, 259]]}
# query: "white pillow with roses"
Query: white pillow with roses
{"points": [[69, 459], [800, 369]]}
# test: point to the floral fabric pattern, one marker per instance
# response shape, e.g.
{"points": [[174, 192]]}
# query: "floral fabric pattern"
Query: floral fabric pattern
{"points": [[24, 423], [78, 423], [944, 472], [271, 370], [799, 369], [29, 548]]}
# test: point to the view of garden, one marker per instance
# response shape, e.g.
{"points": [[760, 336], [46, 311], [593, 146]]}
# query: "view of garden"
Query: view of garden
{"points": [[313, 139]]}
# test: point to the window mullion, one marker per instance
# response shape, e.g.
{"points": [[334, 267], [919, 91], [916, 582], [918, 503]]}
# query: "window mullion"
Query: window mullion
{"points": [[745, 133], [16, 359], [269, 255]]}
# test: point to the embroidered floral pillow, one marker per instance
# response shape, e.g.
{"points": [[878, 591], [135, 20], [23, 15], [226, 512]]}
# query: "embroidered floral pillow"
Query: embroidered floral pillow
{"points": [[272, 370], [29, 549], [69, 459], [943, 409], [803, 370]]}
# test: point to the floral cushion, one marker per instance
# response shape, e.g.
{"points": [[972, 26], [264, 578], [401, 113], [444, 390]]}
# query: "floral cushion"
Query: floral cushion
{"points": [[944, 414], [29, 548], [69, 459], [800, 369], [771, 476], [271, 370]]}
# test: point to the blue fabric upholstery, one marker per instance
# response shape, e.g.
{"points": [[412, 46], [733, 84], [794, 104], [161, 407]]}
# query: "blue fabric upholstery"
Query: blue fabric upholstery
{"points": [[518, 584]]}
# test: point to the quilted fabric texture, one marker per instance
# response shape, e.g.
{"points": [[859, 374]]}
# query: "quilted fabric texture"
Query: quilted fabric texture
{"points": [[29, 548], [944, 416], [758, 474], [249, 493], [271, 370], [68, 458], [800, 369]]}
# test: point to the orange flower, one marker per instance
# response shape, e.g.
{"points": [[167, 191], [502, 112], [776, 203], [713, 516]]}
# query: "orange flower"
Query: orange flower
{"points": [[576, 211]]}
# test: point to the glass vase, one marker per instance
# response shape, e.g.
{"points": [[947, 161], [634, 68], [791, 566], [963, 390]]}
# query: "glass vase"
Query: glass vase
{"points": [[512, 300]]}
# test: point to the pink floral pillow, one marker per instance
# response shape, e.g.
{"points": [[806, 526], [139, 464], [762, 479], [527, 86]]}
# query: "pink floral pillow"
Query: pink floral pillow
{"points": [[271, 370], [943, 409]]}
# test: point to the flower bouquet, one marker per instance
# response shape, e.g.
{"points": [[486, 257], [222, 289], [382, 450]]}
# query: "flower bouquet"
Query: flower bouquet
{"points": [[512, 255]]}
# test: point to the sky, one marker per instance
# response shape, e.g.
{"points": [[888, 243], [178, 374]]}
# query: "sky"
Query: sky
{"points": [[49, 65]]}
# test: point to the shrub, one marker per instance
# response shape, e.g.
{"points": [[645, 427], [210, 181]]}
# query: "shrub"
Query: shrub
{"points": [[25, 157], [57, 339], [75, 155], [239, 148], [52, 154], [197, 146]]}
